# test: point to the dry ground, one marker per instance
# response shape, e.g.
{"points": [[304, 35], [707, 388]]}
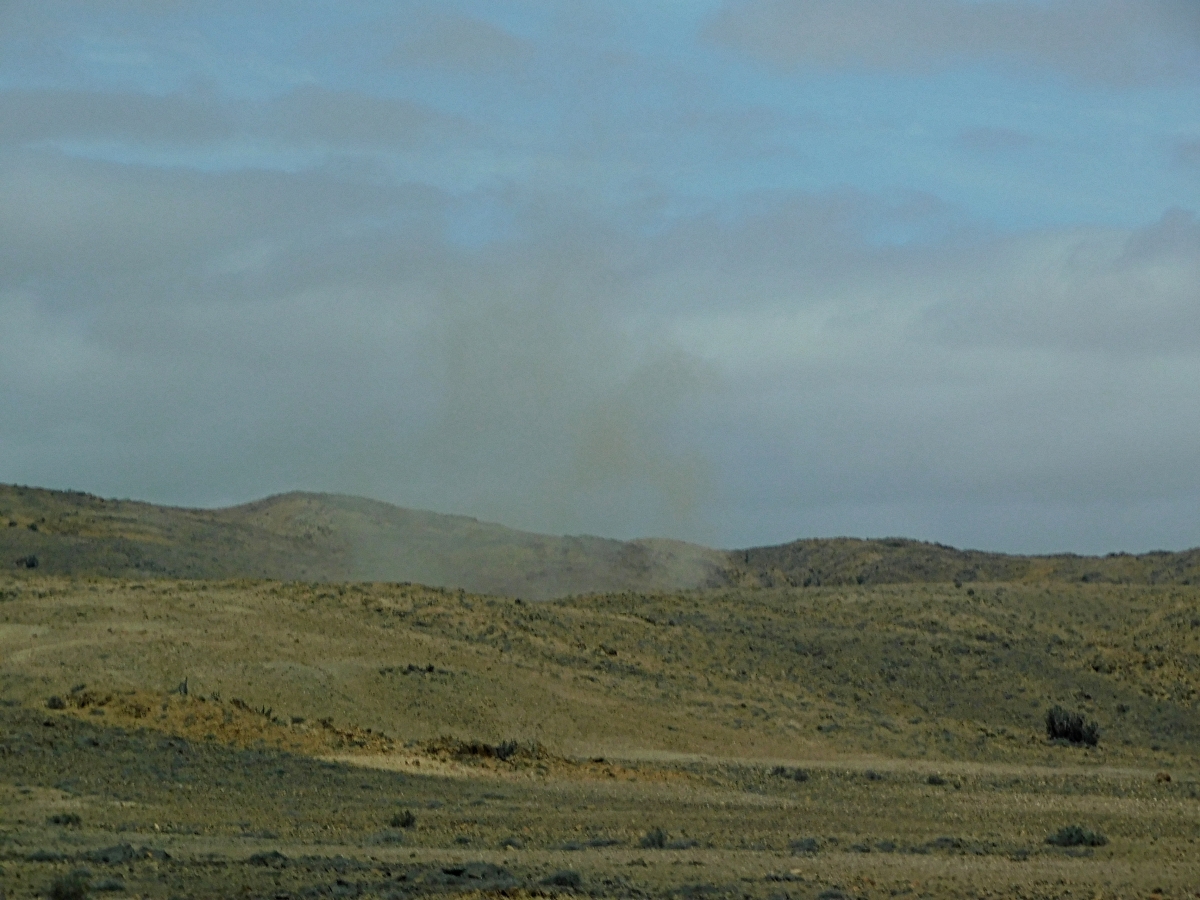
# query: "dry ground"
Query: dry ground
{"points": [[853, 742]]}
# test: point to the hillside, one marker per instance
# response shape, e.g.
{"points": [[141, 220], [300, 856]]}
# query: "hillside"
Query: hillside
{"points": [[906, 670], [255, 738], [846, 561], [330, 538]]}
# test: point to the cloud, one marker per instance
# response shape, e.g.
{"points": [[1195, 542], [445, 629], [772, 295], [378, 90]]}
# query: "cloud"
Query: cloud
{"points": [[1187, 154], [1105, 290], [111, 222], [771, 371], [308, 117], [214, 336], [606, 310], [1112, 42], [314, 115], [28, 116], [460, 44], [995, 140]]}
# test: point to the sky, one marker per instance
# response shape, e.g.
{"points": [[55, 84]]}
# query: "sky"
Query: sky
{"points": [[731, 272]]}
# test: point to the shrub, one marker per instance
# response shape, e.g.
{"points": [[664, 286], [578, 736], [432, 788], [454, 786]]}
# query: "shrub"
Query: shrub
{"points": [[567, 878], [71, 887], [56, 702], [805, 845], [387, 836], [66, 820], [1068, 726], [404, 819], [655, 839], [936, 780], [506, 750], [270, 860], [1076, 836], [790, 773]]}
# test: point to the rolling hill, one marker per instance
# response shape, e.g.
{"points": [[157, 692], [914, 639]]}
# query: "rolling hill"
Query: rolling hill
{"points": [[331, 537]]}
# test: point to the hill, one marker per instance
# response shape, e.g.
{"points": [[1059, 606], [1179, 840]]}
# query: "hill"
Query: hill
{"points": [[846, 561], [331, 537]]}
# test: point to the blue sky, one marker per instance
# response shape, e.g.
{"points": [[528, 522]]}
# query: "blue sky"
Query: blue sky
{"points": [[734, 272]]}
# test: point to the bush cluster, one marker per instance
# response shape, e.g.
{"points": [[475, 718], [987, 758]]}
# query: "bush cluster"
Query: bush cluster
{"points": [[1068, 726], [404, 819], [1076, 836]]}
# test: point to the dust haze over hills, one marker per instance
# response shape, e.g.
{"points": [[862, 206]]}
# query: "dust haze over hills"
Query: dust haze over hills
{"points": [[329, 537]]}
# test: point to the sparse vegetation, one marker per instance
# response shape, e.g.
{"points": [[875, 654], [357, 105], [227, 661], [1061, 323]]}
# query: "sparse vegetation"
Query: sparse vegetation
{"points": [[703, 725]]}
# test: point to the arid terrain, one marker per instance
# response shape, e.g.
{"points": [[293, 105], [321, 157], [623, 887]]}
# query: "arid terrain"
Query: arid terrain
{"points": [[166, 737], [866, 741]]}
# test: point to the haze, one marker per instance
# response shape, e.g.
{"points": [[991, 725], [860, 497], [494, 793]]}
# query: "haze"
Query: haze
{"points": [[733, 273]]}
